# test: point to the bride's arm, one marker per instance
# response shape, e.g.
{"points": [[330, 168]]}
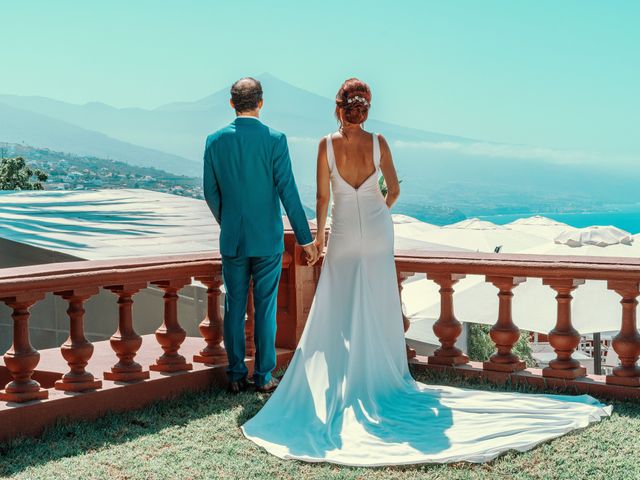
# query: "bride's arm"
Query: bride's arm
{"points": [[323, 194], [389, 173]]}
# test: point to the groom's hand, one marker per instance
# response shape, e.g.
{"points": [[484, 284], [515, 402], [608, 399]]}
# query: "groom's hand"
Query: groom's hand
{"points": [[311, 252]]}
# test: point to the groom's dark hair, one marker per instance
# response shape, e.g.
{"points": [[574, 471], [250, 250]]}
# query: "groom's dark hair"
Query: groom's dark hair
{"points": [[246, 93]]}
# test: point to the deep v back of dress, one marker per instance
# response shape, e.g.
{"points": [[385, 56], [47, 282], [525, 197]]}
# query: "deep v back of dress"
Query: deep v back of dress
{"points": [[335, 171], [348, 397]]}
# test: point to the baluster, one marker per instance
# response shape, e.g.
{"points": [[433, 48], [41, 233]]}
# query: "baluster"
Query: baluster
{"points": [[170, 334], [125, 342], [447, 328], [627, 342], [77, 350], [22, 359], [504, 333], [564, 338], [402, 276], [211, 327], [250, 347]]}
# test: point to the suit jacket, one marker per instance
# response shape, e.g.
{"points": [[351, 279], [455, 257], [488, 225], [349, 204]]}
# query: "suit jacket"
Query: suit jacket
{"points": [[247, 173]]}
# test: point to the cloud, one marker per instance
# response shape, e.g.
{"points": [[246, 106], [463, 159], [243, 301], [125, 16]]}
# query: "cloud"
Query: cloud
{"points": [[500, 150]]}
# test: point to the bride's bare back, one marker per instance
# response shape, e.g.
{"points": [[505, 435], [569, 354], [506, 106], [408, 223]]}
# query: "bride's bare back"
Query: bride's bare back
{"points": [[354, 156]]}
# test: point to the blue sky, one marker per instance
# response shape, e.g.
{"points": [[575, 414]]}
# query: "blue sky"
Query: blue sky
{"points": [[560, 74]]}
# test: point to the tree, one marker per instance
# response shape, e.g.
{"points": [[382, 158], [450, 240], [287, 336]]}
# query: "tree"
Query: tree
{"points": [[480, 346], [15, 174]]}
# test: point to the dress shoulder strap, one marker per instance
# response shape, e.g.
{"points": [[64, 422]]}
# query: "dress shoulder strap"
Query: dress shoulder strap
{"points": [[376, 150], [331, 158]]}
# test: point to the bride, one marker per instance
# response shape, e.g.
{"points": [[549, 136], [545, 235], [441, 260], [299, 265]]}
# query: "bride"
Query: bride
{"points": [[347, 396]]}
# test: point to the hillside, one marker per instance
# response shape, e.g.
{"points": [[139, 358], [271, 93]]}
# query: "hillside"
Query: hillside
{"points": [[78, 172], [18, 125]]}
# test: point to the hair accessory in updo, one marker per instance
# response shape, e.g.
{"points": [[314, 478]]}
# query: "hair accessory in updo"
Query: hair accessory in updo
{"points": [[358, 99]]}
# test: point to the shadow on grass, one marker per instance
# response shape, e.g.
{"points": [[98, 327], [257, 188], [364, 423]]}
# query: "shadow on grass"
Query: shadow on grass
{"points": [[65, 440], [249, 409]]}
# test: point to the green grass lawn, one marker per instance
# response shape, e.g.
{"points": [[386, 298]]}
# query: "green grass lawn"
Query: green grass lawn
{"points": [[197, 436]]}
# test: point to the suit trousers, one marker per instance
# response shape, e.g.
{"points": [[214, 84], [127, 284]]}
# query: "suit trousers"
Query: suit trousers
{"points": [[237, 273]]}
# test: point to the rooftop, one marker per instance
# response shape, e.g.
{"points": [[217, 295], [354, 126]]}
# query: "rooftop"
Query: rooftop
{"points": [[105, 224]]}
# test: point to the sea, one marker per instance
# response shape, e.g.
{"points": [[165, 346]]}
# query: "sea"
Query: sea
{"points": [[626, 217]]}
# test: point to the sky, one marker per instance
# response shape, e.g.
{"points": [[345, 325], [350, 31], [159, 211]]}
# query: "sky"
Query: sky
{"points": [[557, 74]]}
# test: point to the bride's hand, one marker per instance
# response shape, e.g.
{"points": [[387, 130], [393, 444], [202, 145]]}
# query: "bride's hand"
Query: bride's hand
{"points": [[319, 242]]}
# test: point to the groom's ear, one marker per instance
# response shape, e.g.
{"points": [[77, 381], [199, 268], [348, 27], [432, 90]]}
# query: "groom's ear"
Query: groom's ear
{"points": [[260, 103], [231, 103]]}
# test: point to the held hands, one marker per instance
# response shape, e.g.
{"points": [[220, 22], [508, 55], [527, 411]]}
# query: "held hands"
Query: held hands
{"points": [[311, 252], [315, 250]]}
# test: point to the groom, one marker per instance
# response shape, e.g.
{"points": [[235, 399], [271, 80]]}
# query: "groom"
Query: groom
{"points": [[247, 173]]}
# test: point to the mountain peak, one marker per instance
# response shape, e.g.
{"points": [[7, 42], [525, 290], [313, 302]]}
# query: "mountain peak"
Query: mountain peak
{"points": [[271, 78], [275, 89], [268, 76]]}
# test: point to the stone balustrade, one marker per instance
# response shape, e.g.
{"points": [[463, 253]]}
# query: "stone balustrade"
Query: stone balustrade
{"points": [[562, 275], [87, 387], [119, 379]]}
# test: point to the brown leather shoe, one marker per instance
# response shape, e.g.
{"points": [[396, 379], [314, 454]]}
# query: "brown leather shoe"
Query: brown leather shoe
{"points": [[239, 386], [268, 387]]}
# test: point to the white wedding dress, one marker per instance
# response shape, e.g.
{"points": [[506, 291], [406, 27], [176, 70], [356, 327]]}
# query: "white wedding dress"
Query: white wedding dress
{"points": [[347, 396]]}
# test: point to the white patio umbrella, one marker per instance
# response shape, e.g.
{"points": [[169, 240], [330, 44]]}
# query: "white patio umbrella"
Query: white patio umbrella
{"points": [[594, 308], [399, 218], [421, 304], [541, 226], [483, 236], [410, 228], [601, 236], [592, 241], [402, 243]]}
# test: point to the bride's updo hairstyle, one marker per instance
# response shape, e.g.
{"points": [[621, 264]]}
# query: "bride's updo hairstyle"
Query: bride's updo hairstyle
{"points": [[353, 100]]}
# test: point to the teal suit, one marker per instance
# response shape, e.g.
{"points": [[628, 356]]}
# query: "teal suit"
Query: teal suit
{"points": [[247, 173]]}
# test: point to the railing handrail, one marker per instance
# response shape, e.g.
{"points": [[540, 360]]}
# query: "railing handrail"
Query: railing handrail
{"points": [[53, 276], [89, 265], [520, 265], [67, 274]]}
